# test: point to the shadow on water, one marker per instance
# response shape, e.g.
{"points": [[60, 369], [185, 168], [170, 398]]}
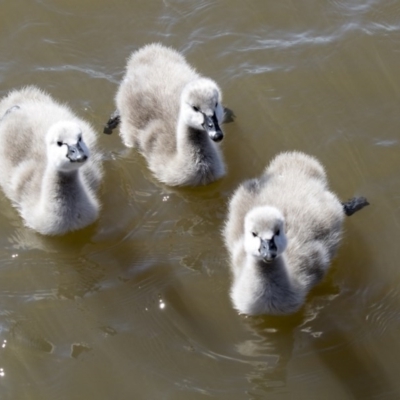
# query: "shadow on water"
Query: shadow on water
{"points": [[271, 350], [346, 355], [362, 375]]}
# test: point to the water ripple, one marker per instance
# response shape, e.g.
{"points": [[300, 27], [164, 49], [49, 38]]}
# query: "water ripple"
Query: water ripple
{"points": [[386, 143], [384, 313], [88, 71]]}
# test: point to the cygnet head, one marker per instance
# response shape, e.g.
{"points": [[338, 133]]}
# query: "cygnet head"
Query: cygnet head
{"points": [[265, 233], [66, 150], [201, 107]]}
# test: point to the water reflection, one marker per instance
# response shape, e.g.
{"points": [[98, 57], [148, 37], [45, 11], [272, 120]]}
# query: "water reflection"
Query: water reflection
{"points": [[276, 341], [269, 352]]}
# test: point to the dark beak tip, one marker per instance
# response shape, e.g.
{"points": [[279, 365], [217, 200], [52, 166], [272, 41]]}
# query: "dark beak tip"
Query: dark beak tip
{"points": [[218, 137]]}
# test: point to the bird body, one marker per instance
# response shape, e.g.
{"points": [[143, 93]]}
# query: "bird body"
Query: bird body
{"points": [[50, 167], [172, 115], [282, 231]]}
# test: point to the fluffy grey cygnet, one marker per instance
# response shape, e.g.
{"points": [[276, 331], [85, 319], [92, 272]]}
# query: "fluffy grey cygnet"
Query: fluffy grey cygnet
{"points": [[173, 116], [282, 231], [50, 167]]}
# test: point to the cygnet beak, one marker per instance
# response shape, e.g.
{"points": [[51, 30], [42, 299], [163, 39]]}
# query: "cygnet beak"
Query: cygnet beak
{"points": [[212, 128], [268, 249], [76, 153]]}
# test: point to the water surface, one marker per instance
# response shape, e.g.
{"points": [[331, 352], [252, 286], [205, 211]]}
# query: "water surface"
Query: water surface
{"points": [[137, 305]]}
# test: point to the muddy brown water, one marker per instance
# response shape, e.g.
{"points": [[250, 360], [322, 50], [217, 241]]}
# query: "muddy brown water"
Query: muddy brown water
{"points": [[136, 306]]}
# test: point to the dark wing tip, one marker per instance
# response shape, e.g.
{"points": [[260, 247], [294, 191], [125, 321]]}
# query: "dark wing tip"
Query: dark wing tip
{"points": [[112, 123], [353, 205], [229, 116]]}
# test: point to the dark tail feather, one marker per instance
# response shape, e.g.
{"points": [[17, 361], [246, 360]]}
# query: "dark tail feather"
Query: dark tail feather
{"points": [[354, 204], [112, 123], [229, 115]]}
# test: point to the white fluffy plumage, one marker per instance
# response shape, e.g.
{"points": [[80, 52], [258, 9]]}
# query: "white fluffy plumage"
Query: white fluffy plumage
{"points": [[50, 167], [173, 116], [281, 232]]}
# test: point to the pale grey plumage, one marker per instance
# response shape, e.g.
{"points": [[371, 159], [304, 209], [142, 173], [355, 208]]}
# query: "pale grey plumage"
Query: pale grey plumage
{"points": [[299, 220], [50, 167], [157, 102]]}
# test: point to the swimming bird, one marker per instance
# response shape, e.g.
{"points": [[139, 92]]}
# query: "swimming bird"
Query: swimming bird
{"points": [[50, 167], [172, 115], [282, 231]]}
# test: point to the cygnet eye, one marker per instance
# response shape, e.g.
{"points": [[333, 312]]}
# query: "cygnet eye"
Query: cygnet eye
{"points": [[278, 232], [216, 104], [80, 139], [59, 144], [254, 234], [196, 108]]}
